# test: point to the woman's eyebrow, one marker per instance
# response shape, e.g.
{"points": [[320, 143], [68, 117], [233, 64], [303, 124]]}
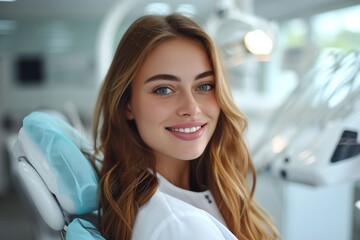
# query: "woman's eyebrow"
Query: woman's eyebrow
{"points": [[204, 74], [163, 77], [175, 78]]}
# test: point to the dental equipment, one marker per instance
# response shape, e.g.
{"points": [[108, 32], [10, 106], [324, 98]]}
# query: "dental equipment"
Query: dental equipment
{"points": [[59, 179], [238, 33], [319, 142]]}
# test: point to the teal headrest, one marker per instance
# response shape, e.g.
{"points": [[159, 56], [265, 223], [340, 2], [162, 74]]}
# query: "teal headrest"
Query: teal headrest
{"points": [[60, 162]]}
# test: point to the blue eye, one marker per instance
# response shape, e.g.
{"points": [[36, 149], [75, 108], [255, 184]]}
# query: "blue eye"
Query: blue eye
{"points": [[162, 91], [205, 87]]}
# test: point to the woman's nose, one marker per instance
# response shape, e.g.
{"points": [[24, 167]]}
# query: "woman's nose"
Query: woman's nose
{"points": [[188, 105]]}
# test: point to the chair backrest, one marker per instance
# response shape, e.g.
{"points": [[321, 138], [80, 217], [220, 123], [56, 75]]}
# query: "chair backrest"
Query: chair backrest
{"points": [[58, 177]]}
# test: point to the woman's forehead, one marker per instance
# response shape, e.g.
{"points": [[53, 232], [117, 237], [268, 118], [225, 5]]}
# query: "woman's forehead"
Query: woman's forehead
{"points": [[175, 56]]}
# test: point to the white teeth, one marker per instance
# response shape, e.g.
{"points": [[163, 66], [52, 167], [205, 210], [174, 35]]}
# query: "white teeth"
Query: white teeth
{"points": [[186, 130]]}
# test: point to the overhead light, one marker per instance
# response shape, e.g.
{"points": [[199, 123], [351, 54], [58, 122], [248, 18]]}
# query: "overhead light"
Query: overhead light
{"points": [[239, 34], [186, 10], [157, 8], [357, 204], [7, 0], [258, 42], [7, 26]]}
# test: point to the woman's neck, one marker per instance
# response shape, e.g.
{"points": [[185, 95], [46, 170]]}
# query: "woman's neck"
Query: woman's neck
{"points": [[175, 171]]}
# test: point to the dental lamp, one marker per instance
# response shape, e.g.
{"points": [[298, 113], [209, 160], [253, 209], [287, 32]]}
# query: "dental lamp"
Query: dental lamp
{"points": [[239, 34]]}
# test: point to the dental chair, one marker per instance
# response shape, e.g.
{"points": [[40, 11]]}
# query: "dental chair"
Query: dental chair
{"points": [[59, 179]]}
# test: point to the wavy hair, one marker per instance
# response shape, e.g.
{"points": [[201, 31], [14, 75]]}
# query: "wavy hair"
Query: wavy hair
{"points": [[125, 180]]}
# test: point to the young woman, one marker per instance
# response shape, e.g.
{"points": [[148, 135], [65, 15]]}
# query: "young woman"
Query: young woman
{"points": [[175, 163]]}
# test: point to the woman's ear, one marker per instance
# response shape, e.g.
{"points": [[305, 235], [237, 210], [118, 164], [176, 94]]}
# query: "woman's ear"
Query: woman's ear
{"points": [[129, 113]]}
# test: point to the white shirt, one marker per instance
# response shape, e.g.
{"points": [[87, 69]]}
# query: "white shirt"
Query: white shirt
{"points": [[203, 200], [173, 213]]}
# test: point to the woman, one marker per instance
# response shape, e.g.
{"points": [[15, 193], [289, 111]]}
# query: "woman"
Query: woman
{"points": [[175, 161]]}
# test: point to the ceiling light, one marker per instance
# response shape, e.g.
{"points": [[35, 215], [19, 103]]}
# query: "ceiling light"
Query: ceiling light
{"points": [[7, 26], [357, 204], [186, 10], [157, 8]]}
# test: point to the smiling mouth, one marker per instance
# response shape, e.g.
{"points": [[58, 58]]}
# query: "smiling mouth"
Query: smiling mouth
{"points": [[185, 130]]}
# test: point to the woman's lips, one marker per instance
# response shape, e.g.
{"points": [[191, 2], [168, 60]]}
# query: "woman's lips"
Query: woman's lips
{"points": [[187, 132]]}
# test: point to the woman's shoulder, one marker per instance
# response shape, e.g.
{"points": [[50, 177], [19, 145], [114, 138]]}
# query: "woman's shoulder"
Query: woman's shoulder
{"points": [[166, 217]]}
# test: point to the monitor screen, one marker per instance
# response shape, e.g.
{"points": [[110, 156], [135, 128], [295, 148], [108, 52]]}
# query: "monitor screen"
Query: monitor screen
{"points": [[30, 70]]}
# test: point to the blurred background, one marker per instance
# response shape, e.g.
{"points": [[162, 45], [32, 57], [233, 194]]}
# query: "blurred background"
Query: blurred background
{"points": [[293, 67]]}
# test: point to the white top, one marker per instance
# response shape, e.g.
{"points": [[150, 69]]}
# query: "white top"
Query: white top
{"points": [[203, 200], [174, 213]]}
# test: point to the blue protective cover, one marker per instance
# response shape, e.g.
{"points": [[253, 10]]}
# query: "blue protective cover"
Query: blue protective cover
{"points": [[80, 229], [61, 144]]}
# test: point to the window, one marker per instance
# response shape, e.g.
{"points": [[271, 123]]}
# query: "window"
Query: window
{"points": [[338, 29]]}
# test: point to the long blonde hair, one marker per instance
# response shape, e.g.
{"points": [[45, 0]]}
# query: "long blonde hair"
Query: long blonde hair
{"points": [[125, 180]]}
